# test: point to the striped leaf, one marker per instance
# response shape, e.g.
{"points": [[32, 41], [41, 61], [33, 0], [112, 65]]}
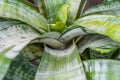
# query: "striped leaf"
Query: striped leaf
{"points": [[76, 7], [12, 39], [102, 69], [60, 65], [110, 7], [107, 25], [20, 69], [32, 51], [111, 12], [39, 4], [97, 46], [23, 11], [51, 8], [50, 35], [61, 18], [51, 39], [82, 7], [71, 33], [54, 43]]}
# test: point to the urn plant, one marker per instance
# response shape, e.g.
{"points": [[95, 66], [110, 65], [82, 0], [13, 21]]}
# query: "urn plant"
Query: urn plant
{"points": [[59, 40]]}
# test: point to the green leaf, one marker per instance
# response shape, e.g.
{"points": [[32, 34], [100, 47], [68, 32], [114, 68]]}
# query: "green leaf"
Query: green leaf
{"points": [[71, 33], [94, 40], [23, 11], [61, 18], [59, 26], [60, 65], [82, 7], [54, 43], [20, 69], [74, 9], [39, 4], [111, 12], [107, 25], [102, 69], [104, 52], [51, 8], [50, 35], [97, 46], [106, 7], [50, 40], [12, 40], [62, 14], [32, 51]]}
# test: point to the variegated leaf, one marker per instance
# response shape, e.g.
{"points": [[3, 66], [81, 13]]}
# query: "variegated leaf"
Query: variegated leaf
{"points": [[23, 11], [20, 69], [12, 40], [107, 25], [60, 65], [110, 7], [102, 69]]}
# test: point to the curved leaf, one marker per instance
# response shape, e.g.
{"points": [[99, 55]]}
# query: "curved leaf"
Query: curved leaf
{"points": [[51, 39], [81, 8], [71, 33], [60, 65], [107, 25], [32, 51], [109, 6], [12, 39], [54, 43], [97, 46], [94, 41], [51, 8], [111, 12], [102, 69], [23, 11], [76, 8], [20, 69], [50, 35]]}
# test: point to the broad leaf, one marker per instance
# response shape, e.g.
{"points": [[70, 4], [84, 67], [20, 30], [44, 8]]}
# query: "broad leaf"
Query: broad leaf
{"points": [[20, 69], [62, 14], [97, 46], [82, 7], [50, 40], [107, 25], [111, 12], [111, 7], [12, 39], [61, 18], [102, 69], [23, 11], [51, 8], [76, 8], [50, 35], [60, 65], [32, 51], [71, 33]]}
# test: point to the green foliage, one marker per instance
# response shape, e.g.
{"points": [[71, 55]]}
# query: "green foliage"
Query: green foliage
{"points": [[58, 40]]}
